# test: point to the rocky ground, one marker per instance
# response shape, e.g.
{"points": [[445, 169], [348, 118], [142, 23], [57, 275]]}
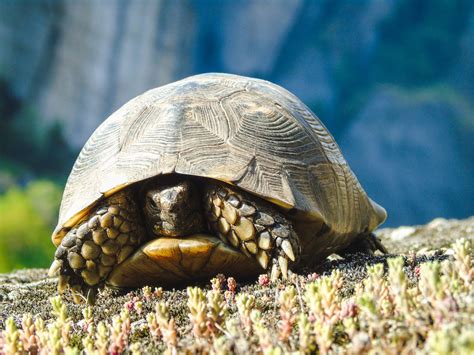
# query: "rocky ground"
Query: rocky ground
{"points": [[339, 307]]}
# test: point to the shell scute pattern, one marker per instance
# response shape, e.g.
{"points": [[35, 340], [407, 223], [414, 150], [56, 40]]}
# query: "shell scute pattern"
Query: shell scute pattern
{"points": [[245, 131]]}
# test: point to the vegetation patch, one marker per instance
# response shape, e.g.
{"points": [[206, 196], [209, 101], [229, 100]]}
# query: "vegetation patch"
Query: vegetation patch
{"points": [[414, 303], [28, 216]]}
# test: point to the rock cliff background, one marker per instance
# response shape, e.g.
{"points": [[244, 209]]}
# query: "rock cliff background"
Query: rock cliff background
{"points": [[393, 80]]}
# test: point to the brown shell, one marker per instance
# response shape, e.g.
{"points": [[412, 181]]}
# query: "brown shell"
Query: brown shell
{"points": [[244, 131]]}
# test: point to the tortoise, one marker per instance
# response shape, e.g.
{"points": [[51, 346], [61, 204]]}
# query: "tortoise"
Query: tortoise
{"points": [[215, 173]]}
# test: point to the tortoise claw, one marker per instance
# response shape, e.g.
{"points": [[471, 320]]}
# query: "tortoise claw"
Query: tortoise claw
{"points": [[55, 267], [81, 294], [378, 244], [275, 273], [283, 263], [288, 249], [77, 295], [91, 295], [63, 281], [280, 268]]}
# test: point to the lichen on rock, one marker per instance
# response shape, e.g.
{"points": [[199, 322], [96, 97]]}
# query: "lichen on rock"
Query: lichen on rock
{"points": [[417, 299]]}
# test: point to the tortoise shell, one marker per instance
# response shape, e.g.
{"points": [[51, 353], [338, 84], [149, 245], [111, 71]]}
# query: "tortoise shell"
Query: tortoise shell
{"points": [[247, 132]]}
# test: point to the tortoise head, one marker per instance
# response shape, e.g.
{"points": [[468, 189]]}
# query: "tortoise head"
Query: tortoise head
{"points": [[172, 208]]}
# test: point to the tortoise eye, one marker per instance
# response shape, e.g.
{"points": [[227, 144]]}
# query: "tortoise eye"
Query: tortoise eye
{"points": [[153, 203]]}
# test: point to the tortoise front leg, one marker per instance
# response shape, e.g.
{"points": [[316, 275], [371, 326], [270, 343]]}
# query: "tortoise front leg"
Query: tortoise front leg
{"points": [[254, 226], [89, 252]]}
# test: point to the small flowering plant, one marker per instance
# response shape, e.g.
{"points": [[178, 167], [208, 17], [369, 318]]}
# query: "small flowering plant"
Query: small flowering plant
{"points": [[399, 306]]}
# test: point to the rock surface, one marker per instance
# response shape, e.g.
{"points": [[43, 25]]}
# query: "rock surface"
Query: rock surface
{"points": [[439, 234], [29, 290]]}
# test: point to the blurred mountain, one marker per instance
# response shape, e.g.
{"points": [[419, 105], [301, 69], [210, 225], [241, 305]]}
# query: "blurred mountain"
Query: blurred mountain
{"points": [[392, 79], [409, 149]]}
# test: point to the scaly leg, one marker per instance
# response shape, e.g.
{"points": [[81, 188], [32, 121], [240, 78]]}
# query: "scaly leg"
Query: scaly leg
{"points": [[89, 251], [254, 226]]}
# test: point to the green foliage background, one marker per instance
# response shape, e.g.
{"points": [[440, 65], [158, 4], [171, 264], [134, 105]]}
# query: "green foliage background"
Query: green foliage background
{"points": [[28, 216]]}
